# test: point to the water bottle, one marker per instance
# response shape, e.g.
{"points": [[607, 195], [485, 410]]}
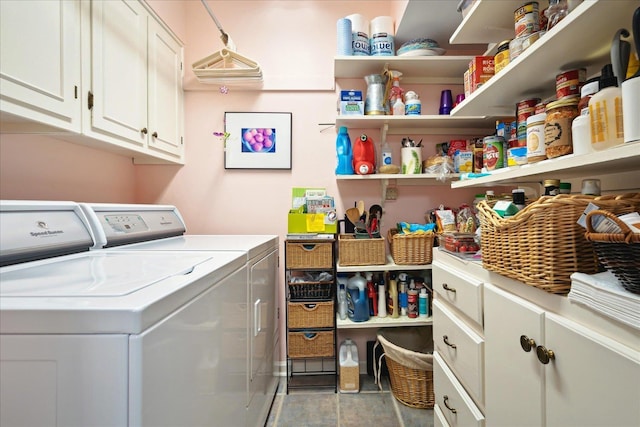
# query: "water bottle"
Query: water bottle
{"points": [[342, 302], [344, 153]]}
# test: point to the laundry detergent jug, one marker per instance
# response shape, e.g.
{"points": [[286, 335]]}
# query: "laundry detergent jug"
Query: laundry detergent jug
{"points": [[364, 156], [349, 367], [357, 300]]}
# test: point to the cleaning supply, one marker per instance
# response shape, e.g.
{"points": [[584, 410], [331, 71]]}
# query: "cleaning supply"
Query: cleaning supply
{"points": [[357, 301], [371, 294], [342, 302], [412, 104], [364, 158], [344, 153], [396, 95], [349, 367], [605, 112], [423, 303], [402, 299], [393, 308], [382, 301], [386, 157]]}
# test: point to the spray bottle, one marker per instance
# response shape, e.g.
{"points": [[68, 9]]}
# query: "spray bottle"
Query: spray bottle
{"points": [[382, 299], [393, 308], [371, 294]]}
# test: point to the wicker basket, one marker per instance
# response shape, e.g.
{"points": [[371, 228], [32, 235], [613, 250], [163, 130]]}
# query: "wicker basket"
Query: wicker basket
{"points": [[309, 255], [310, 291], [410, 372], [542, 245], [311, 344], [353, 251], [618, 252], [311, 315], [411, 248]]}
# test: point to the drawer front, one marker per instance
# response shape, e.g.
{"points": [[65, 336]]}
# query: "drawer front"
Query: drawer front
{"points": [[462, 349], [309, 255], [460, 290], [439, 419], [311, 315], [451, 396], [311, 344]]}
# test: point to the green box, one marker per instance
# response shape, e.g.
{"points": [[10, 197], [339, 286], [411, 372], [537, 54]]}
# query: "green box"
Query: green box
{"points": [[323, 223]]}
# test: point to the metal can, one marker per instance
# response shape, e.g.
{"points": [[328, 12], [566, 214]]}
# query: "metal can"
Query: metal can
{"points": [[557, 126], [527, 19], [535, 138], [501, 59], [570, 82], [524, 109], [493, 152]]}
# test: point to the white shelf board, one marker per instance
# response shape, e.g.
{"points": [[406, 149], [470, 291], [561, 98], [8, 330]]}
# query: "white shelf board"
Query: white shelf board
{"points": [[572, 43], [423, 178], [487, 21], [383, 322], [425, 122], [623, 158], [415, 69], [389, 266]]}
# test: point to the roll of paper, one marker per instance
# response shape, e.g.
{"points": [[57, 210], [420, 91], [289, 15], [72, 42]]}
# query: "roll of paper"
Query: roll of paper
{"points": [[382, 33], [360, 31], [345, 35]]}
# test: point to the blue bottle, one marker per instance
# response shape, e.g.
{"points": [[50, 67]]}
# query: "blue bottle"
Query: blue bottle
{"points": [[344, 153], [357, 300]]}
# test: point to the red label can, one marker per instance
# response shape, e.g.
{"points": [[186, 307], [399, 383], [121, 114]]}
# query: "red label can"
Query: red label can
{"points": [[524, 109], [494, 152], [570, 82]]}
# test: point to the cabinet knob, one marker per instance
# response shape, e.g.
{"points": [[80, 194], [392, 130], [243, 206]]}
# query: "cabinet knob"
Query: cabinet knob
{"points": [[155, 134], [144, 131], [527, 343], [445, 338], [544, 354], [445, 399], [447, 288]]}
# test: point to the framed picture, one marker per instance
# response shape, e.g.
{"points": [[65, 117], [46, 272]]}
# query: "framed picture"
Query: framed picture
{"points": [[257, 141]]}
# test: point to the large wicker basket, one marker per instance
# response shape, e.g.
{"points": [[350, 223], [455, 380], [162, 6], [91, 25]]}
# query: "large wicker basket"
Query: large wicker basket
{"points": [[618, 252], [409, 356], [409, 249], [354, 251], [542, 245]]}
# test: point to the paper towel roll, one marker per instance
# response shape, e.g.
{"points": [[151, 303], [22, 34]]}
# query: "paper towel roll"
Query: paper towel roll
{"points": [[382, 24], [381, 40], [345, 35], [360, 29]]}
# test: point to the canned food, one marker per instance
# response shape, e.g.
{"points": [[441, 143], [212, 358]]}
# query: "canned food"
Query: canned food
{"points": [[557, 127], [501, 59], [493, 152], [535, 138], [570, 82], [527, 19], [524, 109], [541, 107]]}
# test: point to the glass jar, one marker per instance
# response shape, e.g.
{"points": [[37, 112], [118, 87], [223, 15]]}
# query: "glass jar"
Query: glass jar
{"points": [[557, 126], [591, 187], [556, 11], [551, 187]]}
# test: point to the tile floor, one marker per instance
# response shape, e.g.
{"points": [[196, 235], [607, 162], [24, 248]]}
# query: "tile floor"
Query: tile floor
{"points": [[308, 407]]}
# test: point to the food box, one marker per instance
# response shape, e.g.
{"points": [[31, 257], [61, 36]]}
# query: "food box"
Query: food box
{"points": [[463, 161], [481, 69], [460, 243], [351, 103]]}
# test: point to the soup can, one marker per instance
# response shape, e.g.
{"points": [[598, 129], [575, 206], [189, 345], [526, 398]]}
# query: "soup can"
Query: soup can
{"points": [[501, 59], [569, 83], [493, 152], [524, 109], [527, 19]]}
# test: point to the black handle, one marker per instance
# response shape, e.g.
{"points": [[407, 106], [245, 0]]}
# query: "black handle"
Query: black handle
{"points": [[445, 399], [447, 288], [636, 35], [446, 341]]}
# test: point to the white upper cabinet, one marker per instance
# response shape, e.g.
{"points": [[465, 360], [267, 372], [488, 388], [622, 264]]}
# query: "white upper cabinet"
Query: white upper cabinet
{"points": [[40, 63]]}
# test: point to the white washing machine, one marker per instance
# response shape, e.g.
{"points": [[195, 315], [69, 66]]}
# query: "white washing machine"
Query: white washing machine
{"points": [[127, 227], [115, 338]]}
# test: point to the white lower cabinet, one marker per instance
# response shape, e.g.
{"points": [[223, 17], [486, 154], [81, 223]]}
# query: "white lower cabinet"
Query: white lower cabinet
{"points": [[589, 379]]}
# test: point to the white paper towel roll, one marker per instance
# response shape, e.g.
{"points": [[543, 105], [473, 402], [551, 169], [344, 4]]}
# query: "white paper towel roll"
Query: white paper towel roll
{"points": [[381, 39], [344, 37], [360, 28]]}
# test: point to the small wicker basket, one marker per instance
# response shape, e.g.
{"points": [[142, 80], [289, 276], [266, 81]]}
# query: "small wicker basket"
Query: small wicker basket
{"points": [[618, 252], [311, 344], [354, 251], [413, 249], [311, 315], [309, 255]]}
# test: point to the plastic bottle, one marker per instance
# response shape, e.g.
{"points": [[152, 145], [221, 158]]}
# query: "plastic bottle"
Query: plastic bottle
{"points": [[358, 304], [342, 302], [364, 157], [349, 367], [423, 303], [371, 294], [386, 157], [396, 94], [382, 301], [412, 303], [393, 308], [398, 108], [605, 112], [344, 153], [403, 300], [413, 106]]}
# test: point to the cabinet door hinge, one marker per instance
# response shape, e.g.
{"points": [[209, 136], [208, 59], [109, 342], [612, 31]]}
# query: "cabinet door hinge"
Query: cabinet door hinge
{"points": [[75, 92], [181, 141], [90, 100], [278, 313]]}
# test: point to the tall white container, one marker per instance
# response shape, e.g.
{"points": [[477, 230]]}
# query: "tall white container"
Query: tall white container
{"points": [[349, 367]]}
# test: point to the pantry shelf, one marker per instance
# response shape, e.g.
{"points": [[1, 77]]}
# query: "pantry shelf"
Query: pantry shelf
{"points": [[430, 124], [383, 322], [616, 160], [389, 266], [431, 178], [571, 44]]}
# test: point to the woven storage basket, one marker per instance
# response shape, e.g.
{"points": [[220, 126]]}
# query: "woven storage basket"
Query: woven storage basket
{"points": [[542, 245], [409, 356], [618, 252], [309, 255], [411, 248], [311, 315], [310, 291], [311, 344], [352, 251]]}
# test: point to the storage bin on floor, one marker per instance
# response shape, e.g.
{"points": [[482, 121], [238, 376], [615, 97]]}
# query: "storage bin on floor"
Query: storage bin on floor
{"points": [[409, 355]]}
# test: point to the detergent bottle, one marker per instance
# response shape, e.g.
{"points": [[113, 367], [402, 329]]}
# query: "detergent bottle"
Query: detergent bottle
{"points": [[344, 153], [364, 156], [357, 301], [371, 294], [349, 367]]}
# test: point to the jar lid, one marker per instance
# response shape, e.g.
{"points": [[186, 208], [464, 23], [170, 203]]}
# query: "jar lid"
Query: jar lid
{"points": [[565, 186], [517, 190], [503, 45], [589, 88], [565, 101], [554, 182], [536, 118]]}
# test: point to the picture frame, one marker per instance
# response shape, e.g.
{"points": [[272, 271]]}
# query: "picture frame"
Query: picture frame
{"points": [[257, 140]]}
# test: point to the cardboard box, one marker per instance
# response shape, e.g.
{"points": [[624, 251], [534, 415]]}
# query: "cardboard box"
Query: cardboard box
{"points": [[351, 103], [312, 223], [481, 69], [463, 161]]}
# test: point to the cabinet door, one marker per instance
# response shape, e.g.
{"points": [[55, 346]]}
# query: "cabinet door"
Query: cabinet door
{"points": [[513, 377], [119, 70], [40, 61], [592, 380], [165, 104]]}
